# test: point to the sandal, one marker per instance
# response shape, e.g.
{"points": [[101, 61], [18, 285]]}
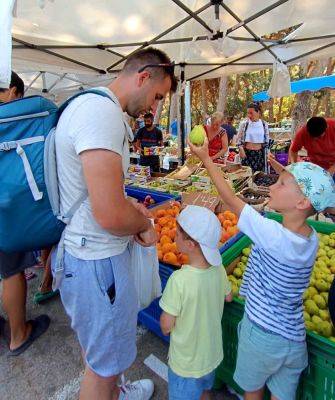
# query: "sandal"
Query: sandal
{"points": [[39, 326], [40, 297]]}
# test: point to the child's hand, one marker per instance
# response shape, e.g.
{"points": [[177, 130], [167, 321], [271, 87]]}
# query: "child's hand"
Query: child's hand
{"points": [[200, 151], [275, 164]]}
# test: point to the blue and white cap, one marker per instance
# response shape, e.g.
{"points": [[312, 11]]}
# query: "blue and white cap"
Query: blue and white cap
{"points": [[315, 183]]}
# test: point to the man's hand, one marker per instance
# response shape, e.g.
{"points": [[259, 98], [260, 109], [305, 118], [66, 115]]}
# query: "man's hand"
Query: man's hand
{"points": [[147, 238], [141, 208], [200, 151]]}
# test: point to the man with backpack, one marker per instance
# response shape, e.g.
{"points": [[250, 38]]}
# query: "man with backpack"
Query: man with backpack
{"points": [[12, 266], [97, 286]]}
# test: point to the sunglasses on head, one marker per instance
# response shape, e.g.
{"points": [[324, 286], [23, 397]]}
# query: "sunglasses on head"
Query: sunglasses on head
{"points": [[169, 67]]}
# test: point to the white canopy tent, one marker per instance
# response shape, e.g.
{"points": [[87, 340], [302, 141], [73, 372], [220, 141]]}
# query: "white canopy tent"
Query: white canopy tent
{"points": [[84, 40]]}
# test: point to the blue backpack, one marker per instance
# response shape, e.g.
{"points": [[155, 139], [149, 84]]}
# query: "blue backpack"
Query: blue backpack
{"points": [[30, 216]]}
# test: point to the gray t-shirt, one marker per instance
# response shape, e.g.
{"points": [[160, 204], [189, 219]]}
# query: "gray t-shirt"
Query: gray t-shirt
{"points": [[89, 122]]}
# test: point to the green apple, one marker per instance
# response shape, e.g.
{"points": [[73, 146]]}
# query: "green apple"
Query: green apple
{"points": [[197, 135]]}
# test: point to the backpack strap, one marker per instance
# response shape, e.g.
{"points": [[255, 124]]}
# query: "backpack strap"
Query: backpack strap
{"points": [[59, 266]]}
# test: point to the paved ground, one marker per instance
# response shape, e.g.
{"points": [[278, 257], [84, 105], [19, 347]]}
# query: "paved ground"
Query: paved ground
{"points": [[52, 367]]}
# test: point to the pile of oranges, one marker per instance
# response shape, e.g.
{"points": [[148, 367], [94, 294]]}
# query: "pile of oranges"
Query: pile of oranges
{"points": [[165, 225], [229, 225]]}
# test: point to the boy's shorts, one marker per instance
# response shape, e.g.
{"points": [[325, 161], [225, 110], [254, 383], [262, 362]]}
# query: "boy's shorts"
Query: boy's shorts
{"points": [[264, 358], [189, 388], [106, 331]]}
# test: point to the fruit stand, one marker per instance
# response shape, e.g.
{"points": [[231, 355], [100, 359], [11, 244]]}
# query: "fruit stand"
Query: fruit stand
{"points": [[318, 380]]}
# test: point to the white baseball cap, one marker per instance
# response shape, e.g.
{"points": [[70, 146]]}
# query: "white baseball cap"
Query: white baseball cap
{"points": [[203, 226]]}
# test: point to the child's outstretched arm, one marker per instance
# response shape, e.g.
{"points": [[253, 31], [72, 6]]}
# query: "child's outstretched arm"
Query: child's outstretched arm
{"points": [[228, 196], [167, 322]]}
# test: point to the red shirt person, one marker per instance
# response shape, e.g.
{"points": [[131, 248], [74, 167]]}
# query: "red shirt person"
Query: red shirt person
{"points": [[318, 138]]}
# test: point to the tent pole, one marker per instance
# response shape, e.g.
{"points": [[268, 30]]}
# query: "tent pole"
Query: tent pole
{"points": [[192, 14], [245, 26], [310, 52], [228, 63], [32, 82], [257, 15], [60, 78], [182, 112], [153, 41], [33, 47]]}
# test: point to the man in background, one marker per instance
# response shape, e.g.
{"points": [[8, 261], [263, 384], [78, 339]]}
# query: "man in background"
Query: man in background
{"points": [[229, 128], [146, 137], [318, 139]]}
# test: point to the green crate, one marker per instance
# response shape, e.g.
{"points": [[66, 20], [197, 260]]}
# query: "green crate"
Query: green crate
{"points": [[318, 380]]}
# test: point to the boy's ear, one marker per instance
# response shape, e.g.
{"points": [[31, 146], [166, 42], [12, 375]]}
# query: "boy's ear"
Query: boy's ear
{"points": [[304, 204]]}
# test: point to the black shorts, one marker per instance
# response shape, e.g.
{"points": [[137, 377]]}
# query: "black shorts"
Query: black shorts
{"points": [[13, 263]]}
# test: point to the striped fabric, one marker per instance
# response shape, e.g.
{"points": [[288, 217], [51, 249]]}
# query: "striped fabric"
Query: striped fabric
{"points": [[277, 275]]}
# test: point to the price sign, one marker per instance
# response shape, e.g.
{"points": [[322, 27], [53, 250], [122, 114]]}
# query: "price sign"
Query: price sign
{"points": [[200, 199]]}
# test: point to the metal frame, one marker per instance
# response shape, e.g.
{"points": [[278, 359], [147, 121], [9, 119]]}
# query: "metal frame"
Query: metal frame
{"points": [[267, 45]]}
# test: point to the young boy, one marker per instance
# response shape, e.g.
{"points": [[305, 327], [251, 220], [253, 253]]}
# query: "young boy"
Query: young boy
{"points": [[192, 305], [272, 340]]}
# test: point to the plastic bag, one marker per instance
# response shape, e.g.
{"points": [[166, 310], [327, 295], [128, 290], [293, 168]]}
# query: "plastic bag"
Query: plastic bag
{"points": [[280, 85], [145, 269]]}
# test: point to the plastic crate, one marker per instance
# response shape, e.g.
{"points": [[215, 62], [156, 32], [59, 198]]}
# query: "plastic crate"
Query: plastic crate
{"points": [[140, 194], [150, 316], [318, 380]]}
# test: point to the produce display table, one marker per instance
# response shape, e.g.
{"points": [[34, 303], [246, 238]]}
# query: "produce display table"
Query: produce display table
{"points": [[318, 380]]}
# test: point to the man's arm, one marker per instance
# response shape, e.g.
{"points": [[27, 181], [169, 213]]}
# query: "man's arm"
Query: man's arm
{"points": [[111, 210], [292, 155]]}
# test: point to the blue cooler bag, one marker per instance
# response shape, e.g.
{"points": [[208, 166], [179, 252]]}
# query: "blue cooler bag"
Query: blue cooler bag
{"points": [[29, 199]]}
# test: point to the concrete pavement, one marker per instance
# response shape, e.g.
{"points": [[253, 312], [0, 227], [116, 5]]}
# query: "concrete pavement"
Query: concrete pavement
{"points": [[52, 367]]}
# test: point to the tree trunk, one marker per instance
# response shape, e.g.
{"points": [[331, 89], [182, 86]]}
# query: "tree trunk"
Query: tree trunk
{"points": [[326, 99], [279, 117], [302, 108], [223, 90], [270, 105], [204, 103], [159, 111]]}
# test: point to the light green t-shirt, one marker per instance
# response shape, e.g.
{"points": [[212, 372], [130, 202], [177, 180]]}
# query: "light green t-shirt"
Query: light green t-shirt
{"points": [[196, 297]]}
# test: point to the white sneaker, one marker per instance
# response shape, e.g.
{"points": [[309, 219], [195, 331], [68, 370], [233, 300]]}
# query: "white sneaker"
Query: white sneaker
{"points": [[138, 390]]}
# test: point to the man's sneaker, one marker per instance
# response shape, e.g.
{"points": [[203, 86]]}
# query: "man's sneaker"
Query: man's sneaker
{"points": [[138, 390]]}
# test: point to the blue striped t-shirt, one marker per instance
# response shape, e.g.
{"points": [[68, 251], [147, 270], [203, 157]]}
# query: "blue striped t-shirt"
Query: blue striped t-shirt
{"points": [[278, 273]]}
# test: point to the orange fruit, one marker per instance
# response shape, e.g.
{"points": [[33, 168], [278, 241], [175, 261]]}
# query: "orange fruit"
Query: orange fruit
{"points": [[224, 237], [172, 233], [174, 248], [160, 255], [227, 223], [170, 258], [163, 221], [165, 230], [170, 212], [167, 247], [235, 220], [176, 204], [221, 218], [165, 239], [158, 228], [232, 230], [183, 259], [160, 213], [232, 217], [226, 213]]}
